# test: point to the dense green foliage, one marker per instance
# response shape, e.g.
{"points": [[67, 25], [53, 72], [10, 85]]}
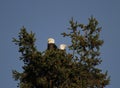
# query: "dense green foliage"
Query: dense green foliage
{"points": [[59, 69]]}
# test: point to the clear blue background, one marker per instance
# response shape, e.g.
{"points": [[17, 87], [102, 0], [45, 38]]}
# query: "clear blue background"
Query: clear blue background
{"points": [[49, 18]]}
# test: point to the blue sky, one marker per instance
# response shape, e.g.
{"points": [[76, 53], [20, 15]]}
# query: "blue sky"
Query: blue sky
{"points": [[49, 18]]}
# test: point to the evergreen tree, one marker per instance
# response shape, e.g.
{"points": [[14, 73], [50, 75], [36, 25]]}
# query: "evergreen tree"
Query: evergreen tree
{"points": [[59, 69]]}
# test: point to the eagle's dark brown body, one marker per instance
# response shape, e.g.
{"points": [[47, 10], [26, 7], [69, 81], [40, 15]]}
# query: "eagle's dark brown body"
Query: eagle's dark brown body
{"points": [[51, 46]]}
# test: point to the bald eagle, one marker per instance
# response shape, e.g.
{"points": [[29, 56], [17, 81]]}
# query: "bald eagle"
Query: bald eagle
{"points": [[51, 44], [62, 46]]}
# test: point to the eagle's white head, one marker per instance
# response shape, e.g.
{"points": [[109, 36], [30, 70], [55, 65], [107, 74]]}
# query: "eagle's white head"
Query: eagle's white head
{"points": [[51, 40], [63, 46]]}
